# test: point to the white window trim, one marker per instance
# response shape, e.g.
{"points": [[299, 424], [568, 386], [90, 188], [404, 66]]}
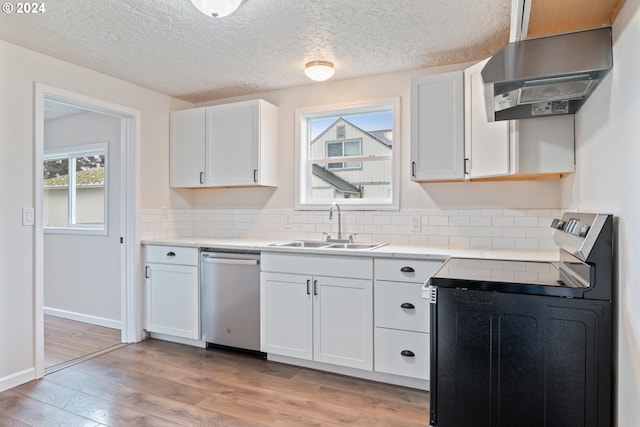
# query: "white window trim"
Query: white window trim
{"points": [[301, 148], [97, 148]]}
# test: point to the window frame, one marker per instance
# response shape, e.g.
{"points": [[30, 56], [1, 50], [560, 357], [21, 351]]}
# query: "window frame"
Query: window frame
{"points": [[95, 149], [302, 180]]}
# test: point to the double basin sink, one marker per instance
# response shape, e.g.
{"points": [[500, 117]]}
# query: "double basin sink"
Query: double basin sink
{"points": [[327, 245]]}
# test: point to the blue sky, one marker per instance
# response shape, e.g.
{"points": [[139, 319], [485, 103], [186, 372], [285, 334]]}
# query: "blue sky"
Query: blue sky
{"points": [[369, 121]]}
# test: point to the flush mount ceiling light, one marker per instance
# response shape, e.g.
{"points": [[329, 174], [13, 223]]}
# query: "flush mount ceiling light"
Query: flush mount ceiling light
{"points": [[319, 70], [217, 8]]}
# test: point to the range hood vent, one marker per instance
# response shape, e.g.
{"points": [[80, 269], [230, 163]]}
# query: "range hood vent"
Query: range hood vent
{"points": [[546, 76]]}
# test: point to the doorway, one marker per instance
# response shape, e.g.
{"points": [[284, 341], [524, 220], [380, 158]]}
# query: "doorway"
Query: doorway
{"points": [[85, 244]]}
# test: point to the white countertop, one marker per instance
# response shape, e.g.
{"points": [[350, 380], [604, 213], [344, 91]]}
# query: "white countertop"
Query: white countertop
{"points": [[390, 251]]}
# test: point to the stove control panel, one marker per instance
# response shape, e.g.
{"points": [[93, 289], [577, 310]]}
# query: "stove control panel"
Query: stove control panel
{"points": [[572, 226], [576, 232]]}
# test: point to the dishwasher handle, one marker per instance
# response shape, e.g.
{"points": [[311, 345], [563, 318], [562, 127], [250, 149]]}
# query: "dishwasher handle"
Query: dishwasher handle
{"points": [[231, 261]]}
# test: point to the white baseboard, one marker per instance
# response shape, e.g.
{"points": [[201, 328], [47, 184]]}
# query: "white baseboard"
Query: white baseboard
{"points": [[359, 373], [17, 379], [178, 340], [85, 318]]}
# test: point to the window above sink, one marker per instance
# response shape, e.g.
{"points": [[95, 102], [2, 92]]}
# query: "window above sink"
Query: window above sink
{"points": [[348, 153]]}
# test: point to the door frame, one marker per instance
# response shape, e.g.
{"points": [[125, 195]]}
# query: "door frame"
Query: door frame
{"points": [[130, 297]]}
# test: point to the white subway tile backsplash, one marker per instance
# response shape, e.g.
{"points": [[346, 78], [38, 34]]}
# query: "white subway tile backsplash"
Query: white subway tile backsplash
{"points": [[449, 228]]}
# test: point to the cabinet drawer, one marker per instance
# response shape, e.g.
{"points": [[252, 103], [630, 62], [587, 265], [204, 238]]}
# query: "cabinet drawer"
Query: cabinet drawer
{"points": [[389, 346], [389, 298], [405, 270], [318, 265], [171, 255]]}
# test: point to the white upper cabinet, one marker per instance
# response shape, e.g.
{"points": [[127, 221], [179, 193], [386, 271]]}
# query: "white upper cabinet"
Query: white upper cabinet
{"points": [[451, 138], [486, 143], [437, 127], [537, 147], [228, 145], [187, 146]]}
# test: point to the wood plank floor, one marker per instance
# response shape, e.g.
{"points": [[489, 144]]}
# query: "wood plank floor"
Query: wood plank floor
{"points": [[156, 383], [66, 340]]}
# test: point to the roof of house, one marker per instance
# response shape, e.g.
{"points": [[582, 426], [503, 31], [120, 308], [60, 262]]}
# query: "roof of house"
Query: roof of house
{"points": [[378, 135], [86, 178], [334, 180]]}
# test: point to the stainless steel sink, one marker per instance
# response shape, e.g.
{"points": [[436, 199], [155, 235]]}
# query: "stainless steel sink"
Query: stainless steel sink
{"points": [[301, 244], [355, 246], [328, 245]]}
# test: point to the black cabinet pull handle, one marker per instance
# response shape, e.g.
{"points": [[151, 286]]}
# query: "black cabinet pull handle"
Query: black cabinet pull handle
{"points": [[413, 169], [201, 177], [407, 269], [308, 288], [171, 253], [315, 287], [146, 272], [407, 353], [255, 175], [407, 305]]}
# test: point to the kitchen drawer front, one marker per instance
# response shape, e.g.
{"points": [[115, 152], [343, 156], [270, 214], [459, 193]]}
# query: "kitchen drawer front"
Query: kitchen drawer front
{"points": [[355, 267], [171, 255], [389, 346], [405, 270], [393, 302]]}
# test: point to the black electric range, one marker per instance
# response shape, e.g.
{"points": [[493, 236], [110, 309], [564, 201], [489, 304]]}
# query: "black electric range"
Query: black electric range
{"points": [[522, 343]]}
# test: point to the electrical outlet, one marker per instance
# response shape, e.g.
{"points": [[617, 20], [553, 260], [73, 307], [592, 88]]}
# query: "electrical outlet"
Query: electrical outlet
{"points": [[288, 221], [163, 213], [416, 223]]}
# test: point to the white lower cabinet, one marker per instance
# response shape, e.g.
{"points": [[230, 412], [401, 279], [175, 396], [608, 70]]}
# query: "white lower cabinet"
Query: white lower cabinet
{"points": [[172, 291], [314, 316], [402, 353], [402, 317]]}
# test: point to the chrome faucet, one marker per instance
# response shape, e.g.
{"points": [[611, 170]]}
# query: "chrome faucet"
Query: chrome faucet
{"points": [[338, 238], [337, 206]]}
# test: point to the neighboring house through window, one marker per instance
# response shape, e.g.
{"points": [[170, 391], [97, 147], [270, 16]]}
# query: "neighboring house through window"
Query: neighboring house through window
{"points": [[347, 154], [74, 190]]}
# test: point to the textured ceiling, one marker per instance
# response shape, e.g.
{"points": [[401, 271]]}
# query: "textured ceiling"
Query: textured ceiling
{"points": [[170, 47]]}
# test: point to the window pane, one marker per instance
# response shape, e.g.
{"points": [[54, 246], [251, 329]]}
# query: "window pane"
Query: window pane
{"points": [[352, 148], [55, 195], [74, 190], [90, 190], [372, 179], [330, 136]]}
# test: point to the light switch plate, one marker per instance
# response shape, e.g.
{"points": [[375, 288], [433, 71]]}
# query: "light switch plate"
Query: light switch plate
{"points": [[28, 216], [163, 213]]}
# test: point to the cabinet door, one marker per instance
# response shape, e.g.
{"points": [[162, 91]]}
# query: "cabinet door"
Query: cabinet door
{"points": [[437, 135], [172, 300], [232, 144], [187, 148], [343, 322], [486, 143], [286, 315]]}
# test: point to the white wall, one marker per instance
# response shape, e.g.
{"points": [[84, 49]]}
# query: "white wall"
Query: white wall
{"points": [[19, 69], [607, 180], [82, 272]]}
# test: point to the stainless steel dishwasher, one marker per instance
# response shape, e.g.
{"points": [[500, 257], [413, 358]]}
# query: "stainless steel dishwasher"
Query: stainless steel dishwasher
{"points": [[230, 299]]}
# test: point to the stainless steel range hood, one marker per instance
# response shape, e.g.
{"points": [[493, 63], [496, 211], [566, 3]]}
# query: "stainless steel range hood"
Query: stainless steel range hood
{"points": [[546, 76]]}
